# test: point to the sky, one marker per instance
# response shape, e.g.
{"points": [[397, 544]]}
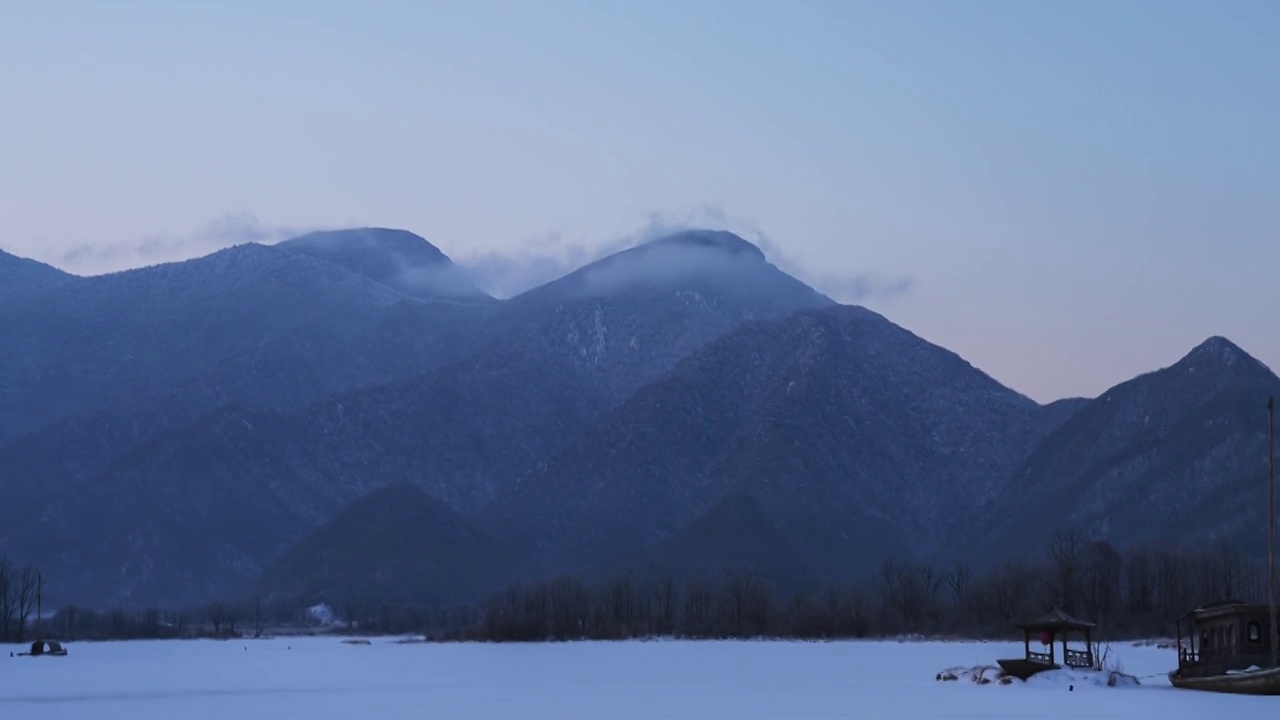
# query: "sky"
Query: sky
{"points": [[1066, 194]]}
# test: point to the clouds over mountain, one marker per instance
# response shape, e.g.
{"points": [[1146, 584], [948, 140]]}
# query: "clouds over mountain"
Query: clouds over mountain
{"points": [[234, 228], [503, 272], [540, 260]]}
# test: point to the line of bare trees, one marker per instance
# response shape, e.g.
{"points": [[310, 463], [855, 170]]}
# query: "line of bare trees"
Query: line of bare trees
{"points": [[219, 619], [1135, 593], [1130, 593], [20, 591]]}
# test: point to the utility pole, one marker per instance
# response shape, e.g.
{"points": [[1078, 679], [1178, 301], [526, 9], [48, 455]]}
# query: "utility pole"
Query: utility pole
{"points": [[39, 605], [1271, 527]]}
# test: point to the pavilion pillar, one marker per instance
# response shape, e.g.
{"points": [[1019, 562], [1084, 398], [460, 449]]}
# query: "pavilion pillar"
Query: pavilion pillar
{"points": [[1177, 628]]}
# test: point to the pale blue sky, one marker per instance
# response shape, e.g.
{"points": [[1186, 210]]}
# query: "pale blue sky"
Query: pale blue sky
{"points": [[1081, 191]]}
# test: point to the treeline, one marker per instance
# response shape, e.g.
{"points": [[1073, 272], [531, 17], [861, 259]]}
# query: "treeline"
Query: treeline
{"points": [[1132, 593], [1135, 593], [252, 618], [219, 619], [20, 598]]}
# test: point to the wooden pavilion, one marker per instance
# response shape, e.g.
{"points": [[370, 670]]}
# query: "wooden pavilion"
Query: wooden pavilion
{"points": [[1053, 626]]}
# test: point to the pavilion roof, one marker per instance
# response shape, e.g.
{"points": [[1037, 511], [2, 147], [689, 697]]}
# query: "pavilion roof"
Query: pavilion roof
{"points": [[1056, 619]]}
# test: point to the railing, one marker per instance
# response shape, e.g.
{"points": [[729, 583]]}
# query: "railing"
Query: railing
{"points": [[1040, 657], [1078, 659]]}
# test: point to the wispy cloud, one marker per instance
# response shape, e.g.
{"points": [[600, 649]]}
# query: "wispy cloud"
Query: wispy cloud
{"points": [[549, 257], [537, 261], [845, 287], [226, 231], [502, 273]]}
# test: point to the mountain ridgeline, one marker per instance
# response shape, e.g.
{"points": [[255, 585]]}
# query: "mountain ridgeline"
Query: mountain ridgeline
{"points": [[346, 415]]}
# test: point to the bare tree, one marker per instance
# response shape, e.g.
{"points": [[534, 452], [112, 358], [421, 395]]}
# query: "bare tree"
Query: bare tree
{"points": [[1009, 590], [1139, 581], [887, 582], [745, 604], [958, 583], [570, 608], [259, 615], [64, 621], [1229, 569], [619, 608], [858, 609], [909, 593], [219, 617], [351, 611], [501, 611], [1171, 573], [150, 623], [384, 617], [699, 610], [663, 596], [1064, 574], [536, 613], [1103, 568], [8, 602], [118, 623], [27, 585]]}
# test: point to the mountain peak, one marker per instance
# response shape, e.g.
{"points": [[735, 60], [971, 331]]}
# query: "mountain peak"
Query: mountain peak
{"points": [[1218, 347], [708, 263], [1218, 353], [396, 258], [401, 242], [708, 239]]}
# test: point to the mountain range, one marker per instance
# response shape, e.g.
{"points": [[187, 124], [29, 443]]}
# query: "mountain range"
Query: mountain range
{"points": [[346, 414]]}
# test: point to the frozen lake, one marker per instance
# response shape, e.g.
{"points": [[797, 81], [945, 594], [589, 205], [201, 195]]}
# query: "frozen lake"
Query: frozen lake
{"points": [[324, 678]]}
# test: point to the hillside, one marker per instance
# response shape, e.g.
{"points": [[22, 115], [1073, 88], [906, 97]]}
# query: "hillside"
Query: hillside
{"points": [[735, 535], [1174, 455], [395, 258], [179, 433], [82, 347], [396, 544], [851, 432], [17, 273], [552, 364], [97, 367]]}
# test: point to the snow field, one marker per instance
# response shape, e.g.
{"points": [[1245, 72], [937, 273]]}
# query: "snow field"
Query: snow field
{"points": [[325, 678]]}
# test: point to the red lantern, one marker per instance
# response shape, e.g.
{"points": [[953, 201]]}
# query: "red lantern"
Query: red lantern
{"points": [[1046, 637]]}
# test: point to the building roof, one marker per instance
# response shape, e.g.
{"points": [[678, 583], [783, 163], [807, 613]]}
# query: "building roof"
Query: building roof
{"points": [[1056, 619], [1224, 608]]}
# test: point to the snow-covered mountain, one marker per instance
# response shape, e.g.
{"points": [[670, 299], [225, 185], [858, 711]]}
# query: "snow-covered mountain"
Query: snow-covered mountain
{"points": [[168, 434], [541, 369]]}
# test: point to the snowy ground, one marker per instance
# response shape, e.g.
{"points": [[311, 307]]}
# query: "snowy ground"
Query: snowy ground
{"points": [[325, 678]]}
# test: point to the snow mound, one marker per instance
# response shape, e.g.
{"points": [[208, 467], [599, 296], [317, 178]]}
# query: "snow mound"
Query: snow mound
{"points": [[1076, 678], [1069, 678], [980, 674]]}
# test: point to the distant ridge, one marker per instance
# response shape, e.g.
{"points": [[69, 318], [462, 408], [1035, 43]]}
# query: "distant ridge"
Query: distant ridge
{"points": [[396, 258], [473, 394], [396, 544], [331, 415], [1170, 455], [19, 273], [735, 535]]}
